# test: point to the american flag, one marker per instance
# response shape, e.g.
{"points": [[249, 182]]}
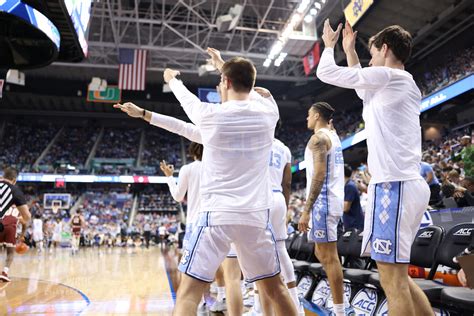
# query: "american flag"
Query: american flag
{"points": [[132, 69]]}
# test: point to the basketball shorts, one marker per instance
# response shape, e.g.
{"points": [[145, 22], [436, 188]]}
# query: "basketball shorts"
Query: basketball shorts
{"points": [[278, 216], [8, 235], [323, 222], [393, 216], [56, 237], [187, 234], [209, 245]]}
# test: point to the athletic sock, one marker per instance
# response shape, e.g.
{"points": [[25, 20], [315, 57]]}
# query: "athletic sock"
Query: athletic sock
{"points": [[220, 293], [256, 303], [5, 269], [294, 297], [339, 309]]}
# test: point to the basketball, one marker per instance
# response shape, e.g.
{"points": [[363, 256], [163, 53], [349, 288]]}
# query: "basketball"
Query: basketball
{"points": [[21, 248]]}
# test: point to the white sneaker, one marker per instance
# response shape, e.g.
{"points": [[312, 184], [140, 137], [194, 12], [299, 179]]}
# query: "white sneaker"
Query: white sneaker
{"points": [[218, 306], [249, 301], [202, 309]]}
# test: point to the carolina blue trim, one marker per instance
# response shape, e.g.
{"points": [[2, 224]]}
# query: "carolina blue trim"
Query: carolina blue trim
{"points": [[276, 190], [173, 293]]}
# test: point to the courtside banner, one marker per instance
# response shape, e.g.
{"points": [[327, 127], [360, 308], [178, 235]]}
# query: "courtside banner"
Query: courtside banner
{"points": [[356, 9], [111, 95]]}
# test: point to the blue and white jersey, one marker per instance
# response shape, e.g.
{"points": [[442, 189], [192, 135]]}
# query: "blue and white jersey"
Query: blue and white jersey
{"points": [[280, 156], [331, 198]]}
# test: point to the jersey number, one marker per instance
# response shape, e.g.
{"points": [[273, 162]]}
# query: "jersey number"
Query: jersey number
{"points": [[275, 160]]}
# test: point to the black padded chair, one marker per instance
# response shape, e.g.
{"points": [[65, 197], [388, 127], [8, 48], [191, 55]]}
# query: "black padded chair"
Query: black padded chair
{"points": [[357, 276], [459, 299], [305, 254], [423, 251]]}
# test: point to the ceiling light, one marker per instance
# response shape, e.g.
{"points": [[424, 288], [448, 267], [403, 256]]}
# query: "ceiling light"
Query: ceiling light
{"points": [[317, 5], [313, 11], [308, 18], [267, 63]]}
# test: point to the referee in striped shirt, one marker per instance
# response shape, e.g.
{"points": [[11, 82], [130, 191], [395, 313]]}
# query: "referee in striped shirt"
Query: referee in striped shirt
{"points": [[12, 205]]}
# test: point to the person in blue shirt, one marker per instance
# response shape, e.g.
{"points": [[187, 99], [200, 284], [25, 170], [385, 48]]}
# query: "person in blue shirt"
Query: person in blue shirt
{"points": [[353, 216], [426, 171]]}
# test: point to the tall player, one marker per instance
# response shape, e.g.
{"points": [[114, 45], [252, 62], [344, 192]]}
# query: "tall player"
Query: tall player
{"points": [[325, 196], [398, 195], [235, 192], [77, 223], [12, 205], [38, 235]]}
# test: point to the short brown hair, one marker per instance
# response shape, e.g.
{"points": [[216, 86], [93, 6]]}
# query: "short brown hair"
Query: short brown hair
{"points": [[397, 39], [241, 72], [10, 173], [324, 109], [195, 150]]}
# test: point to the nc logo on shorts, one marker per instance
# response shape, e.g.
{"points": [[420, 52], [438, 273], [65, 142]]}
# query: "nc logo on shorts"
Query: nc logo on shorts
{"points": [[319, 233], [427, 234], [382, 246], [463, 232], [184, 258]]}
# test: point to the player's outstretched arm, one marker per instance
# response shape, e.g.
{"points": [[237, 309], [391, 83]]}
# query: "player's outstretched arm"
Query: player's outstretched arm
{"points": [[347, 77], [178, 191], [190, 103], [171, 124]]}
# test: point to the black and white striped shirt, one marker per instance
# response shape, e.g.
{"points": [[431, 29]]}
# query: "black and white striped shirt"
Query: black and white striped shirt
{"points": [[10, 195]]}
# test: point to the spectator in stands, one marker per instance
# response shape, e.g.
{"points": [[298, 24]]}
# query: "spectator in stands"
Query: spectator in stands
{"points": [[427, 173], [353, 216]]}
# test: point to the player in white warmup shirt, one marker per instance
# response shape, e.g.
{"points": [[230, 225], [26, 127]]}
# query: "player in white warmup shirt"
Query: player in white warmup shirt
{"points": [[38, 232], [325, 197], [398, 195], [235, 190]]}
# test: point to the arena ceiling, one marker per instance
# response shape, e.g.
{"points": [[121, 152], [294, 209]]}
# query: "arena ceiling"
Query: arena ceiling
{"points": [[177, 32]]}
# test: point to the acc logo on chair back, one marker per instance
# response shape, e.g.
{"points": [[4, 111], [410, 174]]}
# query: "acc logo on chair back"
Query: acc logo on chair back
{"points": [[365, 302]]}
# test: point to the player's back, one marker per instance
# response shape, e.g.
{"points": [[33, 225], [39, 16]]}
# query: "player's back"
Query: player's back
{"points": [[237, 139], [279, 158], [391, 116], [38, 225], [332, 191], [193, 192]]}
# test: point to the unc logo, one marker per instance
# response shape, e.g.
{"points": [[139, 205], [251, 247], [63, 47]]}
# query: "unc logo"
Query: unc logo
{"points": [[382, 246], [463, 232], [319, 233], [427, 234], [184, 258]]}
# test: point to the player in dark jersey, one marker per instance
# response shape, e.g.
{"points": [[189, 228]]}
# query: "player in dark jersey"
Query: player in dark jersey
{"points": [[77, 223], [12, 205]]}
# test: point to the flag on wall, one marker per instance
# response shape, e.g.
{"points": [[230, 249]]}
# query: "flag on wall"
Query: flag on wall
{"points": [[312, 59], [132, 69]]}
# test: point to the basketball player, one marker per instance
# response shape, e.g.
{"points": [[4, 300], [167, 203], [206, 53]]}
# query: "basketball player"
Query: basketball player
{"points": [[77, 223], [57, 230], [325, 196], [398, 195], [38, 235], [235, 192], [12, 205]]}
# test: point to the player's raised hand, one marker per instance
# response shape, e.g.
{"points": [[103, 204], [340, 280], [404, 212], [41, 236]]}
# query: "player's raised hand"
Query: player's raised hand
{"points": [[170, 74], [348, 38], [263, 92], [168, 170], [130, 108], [330, 36], [216, 58]]}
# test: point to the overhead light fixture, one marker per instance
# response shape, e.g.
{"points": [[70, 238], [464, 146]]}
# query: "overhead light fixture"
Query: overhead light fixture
{"points": [[308, 18], [276, 49], [317, 5], [303, 6], [295, 19], [267, 63], [323, 1], [313, 11], [280, 59]]}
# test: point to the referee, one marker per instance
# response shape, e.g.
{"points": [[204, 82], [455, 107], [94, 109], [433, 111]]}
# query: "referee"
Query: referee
{"points": [[12, 205]]}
